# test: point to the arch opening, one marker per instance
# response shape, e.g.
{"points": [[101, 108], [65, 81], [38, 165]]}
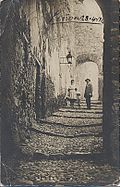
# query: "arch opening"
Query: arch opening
{"points": [[87, 70]]}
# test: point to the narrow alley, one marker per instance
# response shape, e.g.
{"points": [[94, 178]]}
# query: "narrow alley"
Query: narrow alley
{"points": [[60, 92]]}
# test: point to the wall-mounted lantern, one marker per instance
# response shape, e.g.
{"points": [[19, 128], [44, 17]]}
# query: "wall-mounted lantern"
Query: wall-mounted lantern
{"points": [[69, 58]]}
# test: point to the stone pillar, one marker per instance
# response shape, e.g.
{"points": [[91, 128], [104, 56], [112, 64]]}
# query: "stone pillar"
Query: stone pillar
{"points": [[111, 83], [107, 89], [114, 136]]}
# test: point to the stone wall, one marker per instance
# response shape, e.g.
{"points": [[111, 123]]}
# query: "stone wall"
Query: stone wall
{"points": [[18, 79], [114, 136], [111, 81]]}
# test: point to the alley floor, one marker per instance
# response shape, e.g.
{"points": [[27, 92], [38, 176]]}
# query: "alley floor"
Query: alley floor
{"points": [[67, 148]]}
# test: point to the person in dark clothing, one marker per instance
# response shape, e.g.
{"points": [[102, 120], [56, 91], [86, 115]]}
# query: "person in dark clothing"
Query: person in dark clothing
{"points": [[88, 93]]}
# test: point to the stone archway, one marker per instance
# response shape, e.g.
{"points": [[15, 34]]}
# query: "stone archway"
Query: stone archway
{"points": [[84, 71]]}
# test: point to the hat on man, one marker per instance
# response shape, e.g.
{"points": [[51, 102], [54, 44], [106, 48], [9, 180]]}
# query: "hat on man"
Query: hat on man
{"points": [[87, 80]]}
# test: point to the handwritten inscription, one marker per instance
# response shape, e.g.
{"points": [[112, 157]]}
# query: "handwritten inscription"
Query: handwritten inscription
{"points": [[83, 18]]}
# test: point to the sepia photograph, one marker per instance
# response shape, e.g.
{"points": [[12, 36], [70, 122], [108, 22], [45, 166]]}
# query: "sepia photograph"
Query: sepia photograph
{"points": [[59, 93]]}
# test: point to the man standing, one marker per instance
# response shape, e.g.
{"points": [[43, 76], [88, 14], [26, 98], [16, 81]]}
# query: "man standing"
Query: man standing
{"points": [[88, 93]]}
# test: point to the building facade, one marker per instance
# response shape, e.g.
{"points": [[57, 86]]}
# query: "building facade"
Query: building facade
{"points": [[78, 28]]}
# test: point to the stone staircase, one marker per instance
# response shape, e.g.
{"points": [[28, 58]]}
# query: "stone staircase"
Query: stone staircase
{"points": [[67, 150], [69, 131]]}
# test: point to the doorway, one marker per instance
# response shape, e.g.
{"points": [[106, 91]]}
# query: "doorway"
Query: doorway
{"points": [[84, 71]]}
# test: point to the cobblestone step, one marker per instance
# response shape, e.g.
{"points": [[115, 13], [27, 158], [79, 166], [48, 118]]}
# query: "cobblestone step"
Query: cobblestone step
{"points": [[77, 110], [73, 121], [84, 107], [78, 115], [77, 125], [94, 107], [69, 172], [68, 132], [92, 104], [92, 101], [49, 144]]}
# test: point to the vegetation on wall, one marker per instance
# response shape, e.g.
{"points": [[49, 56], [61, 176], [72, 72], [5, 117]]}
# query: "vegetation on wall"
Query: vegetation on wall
{"points": [[18, 77], [52, 103]]}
